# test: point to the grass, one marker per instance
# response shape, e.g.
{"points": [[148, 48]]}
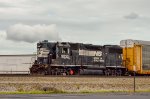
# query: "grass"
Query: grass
{"points": [[117, 91], [81, 92], [62, 85]]}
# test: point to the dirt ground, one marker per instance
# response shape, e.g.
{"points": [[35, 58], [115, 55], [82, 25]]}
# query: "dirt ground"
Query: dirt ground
{"points": [[73, 84]]}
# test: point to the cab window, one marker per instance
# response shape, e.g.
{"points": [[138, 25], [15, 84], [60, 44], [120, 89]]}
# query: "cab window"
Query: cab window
{"points": [[65, 51]]}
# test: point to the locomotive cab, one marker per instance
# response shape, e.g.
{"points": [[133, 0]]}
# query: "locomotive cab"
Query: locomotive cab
{"points": [[63, 50]]}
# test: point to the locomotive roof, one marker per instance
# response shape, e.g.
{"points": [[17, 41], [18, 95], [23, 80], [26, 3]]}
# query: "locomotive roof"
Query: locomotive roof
{"points": [[46, 41], [80, 45]]}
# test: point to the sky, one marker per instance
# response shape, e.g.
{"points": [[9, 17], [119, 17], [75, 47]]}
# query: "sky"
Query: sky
{"points": [[23, 23]]}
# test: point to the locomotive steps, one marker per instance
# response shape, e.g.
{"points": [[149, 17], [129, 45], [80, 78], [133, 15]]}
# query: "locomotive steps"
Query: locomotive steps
{"points": [[72, 84]]}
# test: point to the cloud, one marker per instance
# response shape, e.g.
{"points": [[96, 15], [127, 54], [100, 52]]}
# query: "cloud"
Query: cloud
{"points": [[31, 34], [91, 21], [2, 34], [132, 16]]}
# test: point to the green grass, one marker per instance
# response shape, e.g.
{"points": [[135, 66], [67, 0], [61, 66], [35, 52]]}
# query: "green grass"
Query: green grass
{"points": [[105, 91], [144, 91], [81, 92]]}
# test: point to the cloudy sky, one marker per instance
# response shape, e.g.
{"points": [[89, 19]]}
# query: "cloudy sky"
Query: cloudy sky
{"points": [[25, 22]]}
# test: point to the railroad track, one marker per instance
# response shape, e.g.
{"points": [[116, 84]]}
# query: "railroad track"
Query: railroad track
{"points": [[101, 76]]}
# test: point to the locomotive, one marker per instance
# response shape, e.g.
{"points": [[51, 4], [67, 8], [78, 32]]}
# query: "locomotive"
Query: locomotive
{"points": [[67, 58]]}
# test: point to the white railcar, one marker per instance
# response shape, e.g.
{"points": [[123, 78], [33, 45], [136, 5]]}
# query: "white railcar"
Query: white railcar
{"points": [[16, 64]]}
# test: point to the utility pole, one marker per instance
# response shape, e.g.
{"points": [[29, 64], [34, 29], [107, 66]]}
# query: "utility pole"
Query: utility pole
{"points": [[134, 67]]}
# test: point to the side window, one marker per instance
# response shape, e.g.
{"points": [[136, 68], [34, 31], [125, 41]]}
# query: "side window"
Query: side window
{"points": [[65, 50]]}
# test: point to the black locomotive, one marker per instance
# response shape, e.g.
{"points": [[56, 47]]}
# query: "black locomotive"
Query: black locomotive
{"points": [[66, 58]]}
